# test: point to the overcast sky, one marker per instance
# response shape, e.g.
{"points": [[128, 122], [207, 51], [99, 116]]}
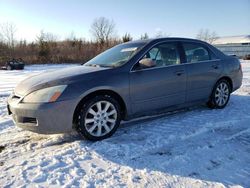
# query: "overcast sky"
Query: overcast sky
{"points": [[182, 18]]}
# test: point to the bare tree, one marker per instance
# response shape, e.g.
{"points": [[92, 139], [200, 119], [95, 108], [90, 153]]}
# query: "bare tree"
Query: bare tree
{"points": [[47, 36], [162, 34], [159, 33], [8, 31], [71, 36], [144, 36], [207, 35], [127, 37], [50, 37], [213, 37], [103, 29], [1, 38]]}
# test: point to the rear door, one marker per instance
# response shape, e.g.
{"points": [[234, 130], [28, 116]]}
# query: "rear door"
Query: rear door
{"points": [[160, 86], [203, 70]]}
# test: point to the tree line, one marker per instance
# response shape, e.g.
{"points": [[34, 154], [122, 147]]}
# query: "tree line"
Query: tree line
{"points": [[48, 49]]}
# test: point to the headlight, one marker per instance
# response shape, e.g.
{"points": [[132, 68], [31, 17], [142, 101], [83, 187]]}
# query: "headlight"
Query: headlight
{"points": [[50, 94]]}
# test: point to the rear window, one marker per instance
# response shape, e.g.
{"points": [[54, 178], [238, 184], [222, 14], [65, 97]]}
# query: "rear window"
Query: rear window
{"points": [[196, 53]]}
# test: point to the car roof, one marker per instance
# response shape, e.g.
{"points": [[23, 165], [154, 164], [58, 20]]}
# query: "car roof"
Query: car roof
{"points": [[156, 40], [166, 39]]}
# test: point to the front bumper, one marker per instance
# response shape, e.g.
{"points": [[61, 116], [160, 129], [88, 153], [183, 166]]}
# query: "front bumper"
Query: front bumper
{"points": [[45, 118]]}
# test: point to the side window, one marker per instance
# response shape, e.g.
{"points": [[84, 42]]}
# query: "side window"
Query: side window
{"points": [[195, 53], [154, 54], [164, 55]]}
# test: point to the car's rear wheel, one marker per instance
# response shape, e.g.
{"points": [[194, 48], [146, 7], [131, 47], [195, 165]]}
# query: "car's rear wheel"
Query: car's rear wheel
{"points": [[220, 95], [99, 118]]}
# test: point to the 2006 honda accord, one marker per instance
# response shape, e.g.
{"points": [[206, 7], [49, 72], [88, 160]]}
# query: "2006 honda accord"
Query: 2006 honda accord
{"points": [[129, 80]]}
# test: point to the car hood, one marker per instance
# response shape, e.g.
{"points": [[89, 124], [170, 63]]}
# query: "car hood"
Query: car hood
{"points": [[52, 78]]}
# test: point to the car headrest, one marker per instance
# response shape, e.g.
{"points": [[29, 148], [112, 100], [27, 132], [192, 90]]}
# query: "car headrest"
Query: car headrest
{"points": [[199, 52], [168, 53]]}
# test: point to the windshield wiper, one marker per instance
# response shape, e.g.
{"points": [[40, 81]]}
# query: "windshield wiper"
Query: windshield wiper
{"points": [[103, 65], [92, 65]]}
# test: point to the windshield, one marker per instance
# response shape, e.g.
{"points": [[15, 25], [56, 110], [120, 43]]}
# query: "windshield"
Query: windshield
{"points": [[115, 56]]}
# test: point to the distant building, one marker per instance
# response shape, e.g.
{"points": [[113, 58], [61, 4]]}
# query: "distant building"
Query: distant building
{"points": [[235, 45]]}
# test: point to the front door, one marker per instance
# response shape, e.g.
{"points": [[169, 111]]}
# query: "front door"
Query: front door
{"points": [[164, 85]]}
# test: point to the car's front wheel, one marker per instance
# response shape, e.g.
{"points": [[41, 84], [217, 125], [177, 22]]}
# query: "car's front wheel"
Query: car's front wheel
{"points": [[99, 118], [220, 95]]}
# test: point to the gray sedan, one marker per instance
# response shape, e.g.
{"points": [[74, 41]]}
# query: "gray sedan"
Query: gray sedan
{"points": [[129, 80]]}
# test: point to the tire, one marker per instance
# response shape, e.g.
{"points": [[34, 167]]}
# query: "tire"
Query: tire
{"points": [[9, 67], [99, 118], [220, 95]]}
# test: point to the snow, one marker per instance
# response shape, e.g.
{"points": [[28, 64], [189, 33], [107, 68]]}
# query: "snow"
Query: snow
{"points": [[197, 147]]}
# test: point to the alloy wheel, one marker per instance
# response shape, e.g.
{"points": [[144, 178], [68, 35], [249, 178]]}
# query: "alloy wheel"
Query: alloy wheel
{"points": [[222, 94], [100, 118]]}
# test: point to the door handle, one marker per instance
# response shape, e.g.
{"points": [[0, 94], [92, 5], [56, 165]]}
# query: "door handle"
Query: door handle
{"points": [[179, 73], [215, 66]]}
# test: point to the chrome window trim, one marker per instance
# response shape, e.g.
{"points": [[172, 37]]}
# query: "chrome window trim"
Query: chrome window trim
{"points": [[197, 42]]}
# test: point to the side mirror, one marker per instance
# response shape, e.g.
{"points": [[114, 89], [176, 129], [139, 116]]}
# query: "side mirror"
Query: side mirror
{"points": [[147, 63]]}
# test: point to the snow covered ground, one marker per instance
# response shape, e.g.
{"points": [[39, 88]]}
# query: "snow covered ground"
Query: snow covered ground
{"points": [[198, 147]]}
